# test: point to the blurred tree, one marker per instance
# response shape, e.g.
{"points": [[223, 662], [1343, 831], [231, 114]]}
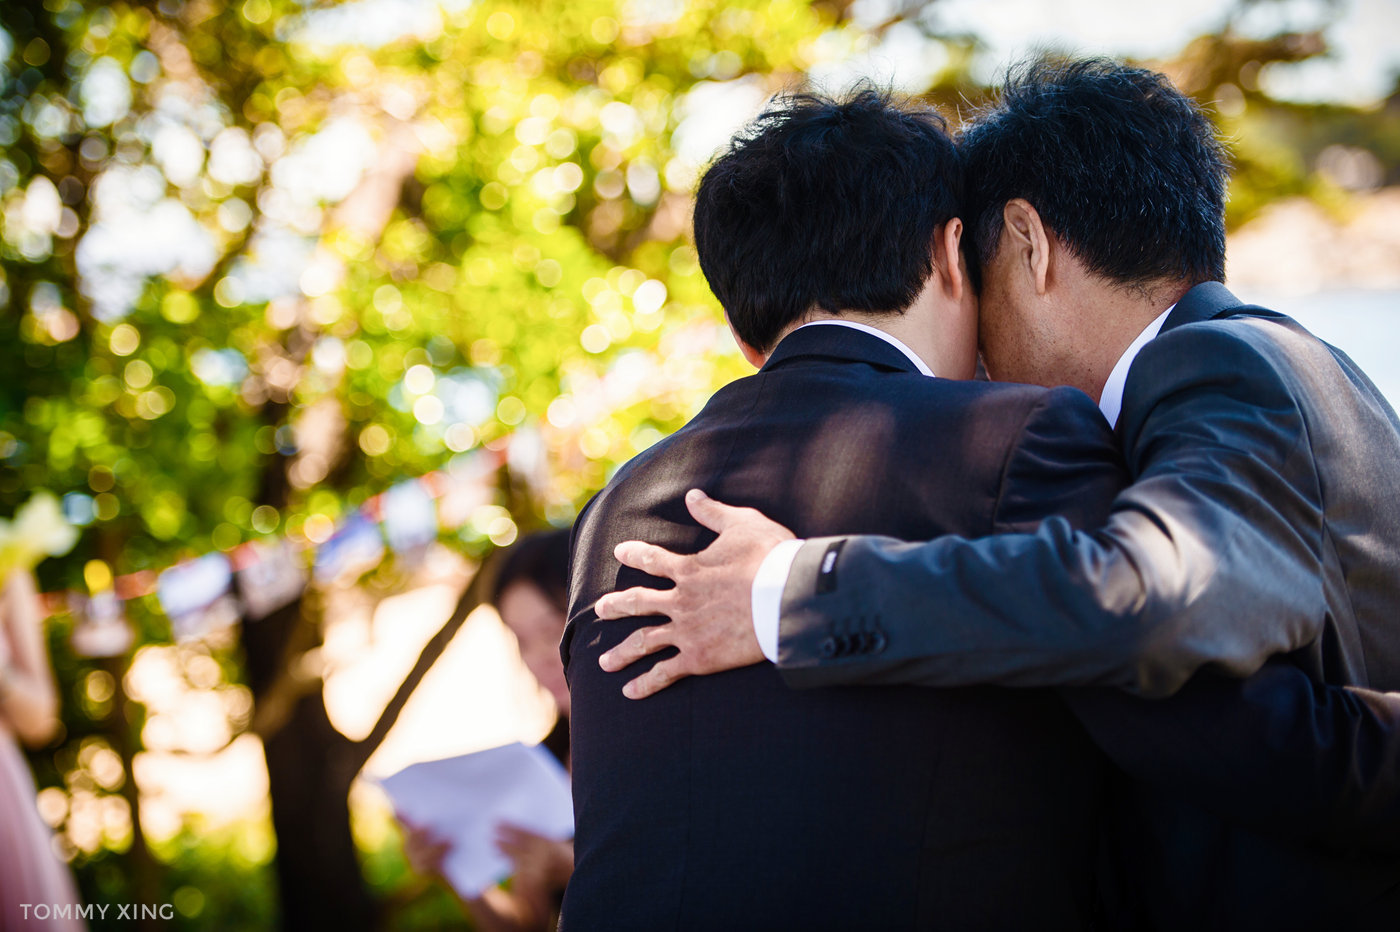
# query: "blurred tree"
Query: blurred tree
{"points": [[262, 260], [456, 212]]}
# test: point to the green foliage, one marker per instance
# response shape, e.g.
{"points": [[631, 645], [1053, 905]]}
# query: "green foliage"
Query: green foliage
{"points": [[208, 877], [505, 274]]}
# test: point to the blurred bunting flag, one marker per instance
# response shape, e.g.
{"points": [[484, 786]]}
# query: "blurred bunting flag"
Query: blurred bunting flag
{"points": [[410, 517], [270, 575], [191, 593], [196, 595], [355, 547], [100, 625]]}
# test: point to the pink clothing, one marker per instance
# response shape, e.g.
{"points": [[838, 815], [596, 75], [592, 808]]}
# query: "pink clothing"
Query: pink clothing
{"points": [[30, 871]]}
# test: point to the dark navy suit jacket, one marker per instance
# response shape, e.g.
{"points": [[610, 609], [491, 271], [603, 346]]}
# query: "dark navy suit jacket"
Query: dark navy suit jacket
{"points": [[733, 802]]}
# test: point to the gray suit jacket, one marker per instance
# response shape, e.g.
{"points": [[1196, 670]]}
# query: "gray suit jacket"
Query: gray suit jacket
{"points": [[1263, 518], [1260, 535]]}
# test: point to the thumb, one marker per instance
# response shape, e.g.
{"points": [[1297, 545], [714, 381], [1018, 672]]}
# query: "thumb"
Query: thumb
{"points": [[714, 515]]}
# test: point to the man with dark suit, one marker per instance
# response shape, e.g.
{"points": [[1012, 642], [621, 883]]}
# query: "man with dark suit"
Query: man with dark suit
{"points": [[1263, 520], [733, 802]]}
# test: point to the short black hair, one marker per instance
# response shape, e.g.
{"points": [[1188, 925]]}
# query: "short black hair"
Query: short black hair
{"points": [[825, 203], [540, 559], [1125, 169]]}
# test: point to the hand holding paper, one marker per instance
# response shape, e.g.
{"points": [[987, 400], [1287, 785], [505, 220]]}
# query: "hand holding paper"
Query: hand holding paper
{"points": [[467, 801]]}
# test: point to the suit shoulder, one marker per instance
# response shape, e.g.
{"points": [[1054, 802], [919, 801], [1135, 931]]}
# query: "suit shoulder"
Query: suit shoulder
{"points": [[1003, 396], [1248, 344], [1064, 425], [728, 396], [1249, 358], [1204, 377], [1066, 417], [1010, 411], [1023, 430], [1061, 402], [1063, 461]]}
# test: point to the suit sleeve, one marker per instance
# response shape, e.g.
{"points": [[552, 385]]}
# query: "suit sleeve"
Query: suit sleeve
{"points": [[1210, 557], [1064, 462], [1277, 752]]}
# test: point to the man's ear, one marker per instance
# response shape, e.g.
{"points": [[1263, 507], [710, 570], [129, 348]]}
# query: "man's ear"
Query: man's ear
{"points": [[755, 357], [947, 259], [1025, 234]]}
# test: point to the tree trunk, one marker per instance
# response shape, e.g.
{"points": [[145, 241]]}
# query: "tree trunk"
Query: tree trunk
{"points": [[121, 732], [310, 767]]}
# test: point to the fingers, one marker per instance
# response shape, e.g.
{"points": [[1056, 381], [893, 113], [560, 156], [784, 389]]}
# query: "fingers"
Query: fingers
{"points": [[656, 679], [714, 515], [427, 839], [634, 602], [516, 835], [722, 518], [515, 843], [422, 835], [512, 846], [649, 558], [424, 850], [637, 645]]}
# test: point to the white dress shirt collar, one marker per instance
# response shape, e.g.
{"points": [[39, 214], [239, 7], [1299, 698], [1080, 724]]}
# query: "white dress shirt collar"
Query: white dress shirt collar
{"points": [[876, 332], [1111, 400]]}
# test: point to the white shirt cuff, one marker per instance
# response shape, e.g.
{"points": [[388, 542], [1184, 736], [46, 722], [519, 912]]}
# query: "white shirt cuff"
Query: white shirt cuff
{"points": [[766, 602]]}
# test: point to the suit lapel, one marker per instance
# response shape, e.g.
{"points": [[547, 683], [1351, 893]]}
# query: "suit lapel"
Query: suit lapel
{"points": [[1207, 301]]}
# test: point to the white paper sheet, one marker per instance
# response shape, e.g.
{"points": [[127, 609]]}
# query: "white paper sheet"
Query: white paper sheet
{"points": [[462, 800]]}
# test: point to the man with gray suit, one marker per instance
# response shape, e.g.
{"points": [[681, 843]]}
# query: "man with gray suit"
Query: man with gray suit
{"points": [[1263, 521]]}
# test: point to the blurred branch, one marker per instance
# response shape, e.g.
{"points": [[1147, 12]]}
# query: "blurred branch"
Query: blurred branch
{"points": [[200, 755], [231, 255], [275, 706], [275, 699], [1210, 61], [471, 598]]}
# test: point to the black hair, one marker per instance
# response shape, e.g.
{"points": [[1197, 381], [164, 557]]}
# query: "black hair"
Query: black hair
{"points": [[542, 560], [1124, 168], [825, 204]]}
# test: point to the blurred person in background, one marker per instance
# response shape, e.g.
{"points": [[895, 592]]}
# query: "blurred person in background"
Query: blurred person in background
{"points": [[30, 872], [530, 593]]}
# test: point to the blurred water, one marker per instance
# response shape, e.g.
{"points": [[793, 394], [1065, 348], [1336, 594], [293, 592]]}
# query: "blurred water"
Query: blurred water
{"points": [[1363, 324]]}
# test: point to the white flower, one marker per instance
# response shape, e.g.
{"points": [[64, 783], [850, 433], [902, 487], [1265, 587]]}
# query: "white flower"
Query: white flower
{"points": [[39, 530]]}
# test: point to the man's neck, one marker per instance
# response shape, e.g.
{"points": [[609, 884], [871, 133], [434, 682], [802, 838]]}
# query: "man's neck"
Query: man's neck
{"points": [[1117, 318]]}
